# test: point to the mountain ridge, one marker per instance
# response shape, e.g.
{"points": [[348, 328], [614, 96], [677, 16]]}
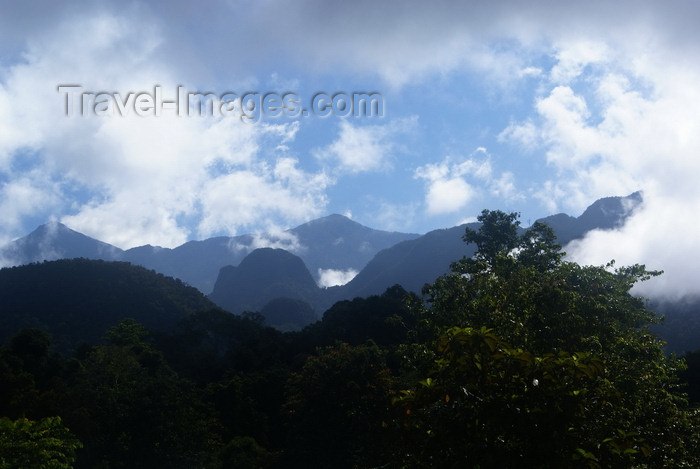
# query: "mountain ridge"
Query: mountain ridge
{"points": [[413, 263], [330, 242], [319, 242]]}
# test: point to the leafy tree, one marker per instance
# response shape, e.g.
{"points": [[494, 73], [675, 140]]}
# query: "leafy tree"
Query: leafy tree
{"points": [[497, 236], [131, 410], [244, 453], [497, 404], [30, 376], [691, 376], [44, 444], [384, 319], [536, 361], [336, 407]]}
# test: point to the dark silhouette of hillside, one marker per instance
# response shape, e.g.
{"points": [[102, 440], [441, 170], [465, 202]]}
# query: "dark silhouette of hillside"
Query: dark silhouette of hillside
{"points": [[77, 300], [264, 275]]}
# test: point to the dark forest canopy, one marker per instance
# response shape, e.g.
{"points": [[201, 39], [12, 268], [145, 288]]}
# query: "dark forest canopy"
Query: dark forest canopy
{"points": [[76, 300], [517, 358]]}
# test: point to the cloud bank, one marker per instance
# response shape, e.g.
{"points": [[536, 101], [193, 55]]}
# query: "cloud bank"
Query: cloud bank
{"points": [[570, 102]]}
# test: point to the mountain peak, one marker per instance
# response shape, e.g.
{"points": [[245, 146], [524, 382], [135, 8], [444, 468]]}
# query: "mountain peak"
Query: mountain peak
{"points": [[51, 227], [610, 212], [263, 275], [332, 219], [54, 240], [606, 213]]}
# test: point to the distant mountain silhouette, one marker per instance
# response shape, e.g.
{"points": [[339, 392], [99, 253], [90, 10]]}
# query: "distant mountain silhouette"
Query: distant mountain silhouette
{"points": [[411, 263], [382, 258], [332, 242], [195, 262], [53, 241], [336, 242], [77, 300], [604, 214], [416, 262], [264, 275]]}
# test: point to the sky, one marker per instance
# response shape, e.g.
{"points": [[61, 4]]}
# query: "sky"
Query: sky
{"points": [[536, 107]]}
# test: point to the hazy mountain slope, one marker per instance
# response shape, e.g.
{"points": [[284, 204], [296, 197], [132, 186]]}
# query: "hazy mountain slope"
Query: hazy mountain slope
{"points": [[336, 242], [332, 242], [606, 213], [53, 241], [196, 262], [264, 275], [410, 264], [413, 263]]}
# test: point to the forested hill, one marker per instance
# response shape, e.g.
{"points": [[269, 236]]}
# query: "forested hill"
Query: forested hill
{"points": [[77, 300]]}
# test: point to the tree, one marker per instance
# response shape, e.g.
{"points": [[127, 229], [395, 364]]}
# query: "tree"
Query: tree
{"points": [[131, 410], [539, 362], [44, 444], [336, 405]]}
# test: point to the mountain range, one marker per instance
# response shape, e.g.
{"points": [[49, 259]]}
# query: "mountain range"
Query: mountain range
{"points": [[247, 272], [333, 242]]}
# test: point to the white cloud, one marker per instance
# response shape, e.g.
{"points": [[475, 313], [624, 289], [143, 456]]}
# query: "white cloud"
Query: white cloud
{"points": [[364, 148], [141, 175], [263, 194], [628, 127], [275, 238], [505, 189], [333, 277], [662, 235], [447, 189], [448, 196], [25, 194], [392, 216], [526, 134], [572, 58]]}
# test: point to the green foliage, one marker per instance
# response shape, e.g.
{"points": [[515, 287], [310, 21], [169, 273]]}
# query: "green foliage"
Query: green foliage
{"points": [[29, 376], [127, 333], [206, 345], [131, 410], [385, 319], [488, 404], [336, 406], [517, 314], [497, 236], [45, 444], [244, 453], [691, 376]]}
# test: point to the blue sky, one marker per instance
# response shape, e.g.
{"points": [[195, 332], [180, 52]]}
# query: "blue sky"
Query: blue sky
{"points": [[537, 107]]}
